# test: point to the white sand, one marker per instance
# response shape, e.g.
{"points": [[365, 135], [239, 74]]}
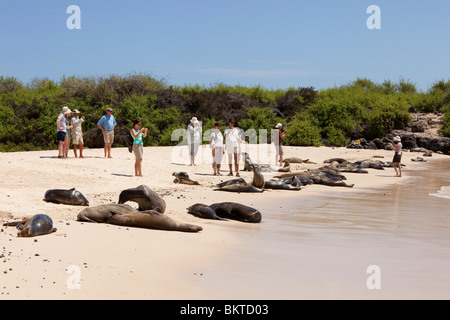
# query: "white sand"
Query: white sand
{"points": [[126, 263]]}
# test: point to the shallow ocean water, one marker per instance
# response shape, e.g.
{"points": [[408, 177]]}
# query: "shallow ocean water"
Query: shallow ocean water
{"points": [[328, 246]]}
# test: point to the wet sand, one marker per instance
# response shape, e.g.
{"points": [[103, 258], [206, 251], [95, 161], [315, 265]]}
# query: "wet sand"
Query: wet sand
{"points": [[320, 247]]}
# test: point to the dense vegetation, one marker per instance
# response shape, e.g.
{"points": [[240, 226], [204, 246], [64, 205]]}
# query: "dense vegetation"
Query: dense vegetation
{"points": [[331, 117]]}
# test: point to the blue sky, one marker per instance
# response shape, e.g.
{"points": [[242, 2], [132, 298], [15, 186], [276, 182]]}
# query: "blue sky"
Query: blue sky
{"points": [[275, 44]]}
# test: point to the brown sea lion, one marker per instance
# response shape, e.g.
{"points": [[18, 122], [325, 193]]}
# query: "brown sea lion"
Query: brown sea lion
{"points": [[70, 197], [124, 215], [183, 177], [145, 197], [226, 210], [36, 225], [280, 185]]}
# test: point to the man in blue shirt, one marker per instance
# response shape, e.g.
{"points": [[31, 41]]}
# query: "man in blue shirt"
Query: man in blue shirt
{"points": [[107, 123]]}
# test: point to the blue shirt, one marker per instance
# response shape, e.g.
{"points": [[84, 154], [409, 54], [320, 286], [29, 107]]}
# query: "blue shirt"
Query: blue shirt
{"points": [[107, 123]]}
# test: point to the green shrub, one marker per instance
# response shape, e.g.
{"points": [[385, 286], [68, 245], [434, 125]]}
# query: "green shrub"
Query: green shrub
{"points": [[302, 131]]}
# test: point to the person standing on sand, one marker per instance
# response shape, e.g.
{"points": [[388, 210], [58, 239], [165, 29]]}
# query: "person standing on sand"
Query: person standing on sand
{"points": [[138, 135], [68, 136], [278, 137], [77, 133], [396, 162], [61, 129], [233, 145], [107, 123], [216, 145], [194, 138]]}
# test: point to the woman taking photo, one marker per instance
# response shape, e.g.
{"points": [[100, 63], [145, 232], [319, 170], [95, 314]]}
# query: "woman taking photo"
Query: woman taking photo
{"points": [[138, 135]]}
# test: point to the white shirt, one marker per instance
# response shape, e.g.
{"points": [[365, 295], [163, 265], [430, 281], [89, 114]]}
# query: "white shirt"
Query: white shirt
{"points": [[216, 139], [232, 139]]}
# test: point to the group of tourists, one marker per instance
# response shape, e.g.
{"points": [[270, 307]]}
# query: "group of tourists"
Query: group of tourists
{"points": [[69, 126], [233, 141]]}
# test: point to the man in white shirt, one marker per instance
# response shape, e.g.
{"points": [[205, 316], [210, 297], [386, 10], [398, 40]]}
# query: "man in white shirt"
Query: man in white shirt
{"points": [[233, 145]]}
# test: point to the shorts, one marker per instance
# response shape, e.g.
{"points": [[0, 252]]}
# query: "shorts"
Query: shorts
{"points": [[193, 149], [138, 150], [217, 158], [108, 136], [78, 139], [279, 150], [61, 136], [397, 158]]}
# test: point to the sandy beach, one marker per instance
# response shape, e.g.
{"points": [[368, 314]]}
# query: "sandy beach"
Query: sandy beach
{"points": [[228, 259]]}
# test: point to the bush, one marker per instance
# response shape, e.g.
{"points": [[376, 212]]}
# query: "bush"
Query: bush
{"points": [[259, 119], [302, 131]]}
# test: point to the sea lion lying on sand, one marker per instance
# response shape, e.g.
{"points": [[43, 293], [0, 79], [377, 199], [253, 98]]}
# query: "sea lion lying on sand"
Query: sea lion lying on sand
{"points": [[280, 185], [183, 177], [239, 187], [297, 160], [36, 225], [325, 177], [226, 210], [145, 197], [70, 197], [124, 215]]}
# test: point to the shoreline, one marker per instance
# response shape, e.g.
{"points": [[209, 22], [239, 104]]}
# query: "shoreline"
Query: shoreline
{"points": [[113, 269]]}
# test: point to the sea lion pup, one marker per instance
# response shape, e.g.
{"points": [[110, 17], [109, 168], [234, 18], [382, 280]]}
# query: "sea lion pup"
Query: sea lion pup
{"points": [[286, 167], [145, 197], [124, 215], [280, 185], [226, 210], [297, 160], [247, 162], [36, 225], [258, 177], [183, 177], [201, 210], [70, 197]]}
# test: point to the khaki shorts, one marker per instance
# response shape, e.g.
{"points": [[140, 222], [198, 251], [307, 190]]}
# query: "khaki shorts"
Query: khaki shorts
{"points": [[138, 150], [77, 139], [108, 136]]}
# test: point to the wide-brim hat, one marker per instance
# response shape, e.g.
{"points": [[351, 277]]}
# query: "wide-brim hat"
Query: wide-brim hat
{"points": [[278, 125], [66, 110], [75, 111], [397, 138], [194, 120]]}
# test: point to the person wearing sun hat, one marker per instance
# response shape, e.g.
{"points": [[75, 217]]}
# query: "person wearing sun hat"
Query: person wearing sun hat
{"points": [[77, 133], [61, 129], [194, 130], [396, 162]]}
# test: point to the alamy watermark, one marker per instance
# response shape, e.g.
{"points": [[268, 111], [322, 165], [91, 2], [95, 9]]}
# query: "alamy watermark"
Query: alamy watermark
{"points": [[374, 21], [374, 280], [74, 20], [73, 282]]}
